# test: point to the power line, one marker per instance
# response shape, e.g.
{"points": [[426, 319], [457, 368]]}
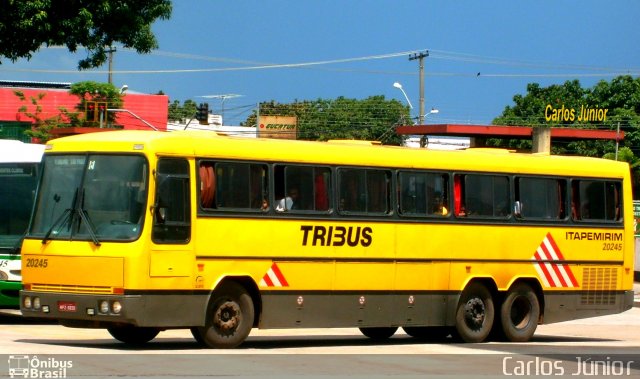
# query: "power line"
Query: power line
{"points": [[437, 54]]}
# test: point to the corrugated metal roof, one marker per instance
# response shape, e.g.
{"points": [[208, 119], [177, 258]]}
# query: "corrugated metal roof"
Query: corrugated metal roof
{"points": [[27, 84]]}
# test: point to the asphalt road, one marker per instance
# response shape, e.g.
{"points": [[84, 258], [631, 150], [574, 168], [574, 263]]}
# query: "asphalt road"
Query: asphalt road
{"points": [[612, 342]]}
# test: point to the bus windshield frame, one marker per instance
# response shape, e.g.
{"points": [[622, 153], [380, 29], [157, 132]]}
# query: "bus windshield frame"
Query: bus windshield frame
{"points": [[94, 197]]}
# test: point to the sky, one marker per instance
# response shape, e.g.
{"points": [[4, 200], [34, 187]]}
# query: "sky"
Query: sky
{"points": [[481, 53]]}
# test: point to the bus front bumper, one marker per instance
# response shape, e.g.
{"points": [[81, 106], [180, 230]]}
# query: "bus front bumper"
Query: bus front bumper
{"points": [[81, 309], [99, 311]]}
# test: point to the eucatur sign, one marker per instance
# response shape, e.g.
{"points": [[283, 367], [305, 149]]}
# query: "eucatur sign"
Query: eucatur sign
{"points": [[284, 127]]}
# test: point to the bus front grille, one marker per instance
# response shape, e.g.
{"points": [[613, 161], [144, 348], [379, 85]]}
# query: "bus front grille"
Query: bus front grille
{"points": [[71, 288]]}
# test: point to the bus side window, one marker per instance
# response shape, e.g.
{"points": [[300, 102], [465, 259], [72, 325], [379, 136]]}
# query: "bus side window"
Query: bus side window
{"points": [[423, 193], [302, 188], [486, 195], [596, 200], [364, 190], [540, 198]]}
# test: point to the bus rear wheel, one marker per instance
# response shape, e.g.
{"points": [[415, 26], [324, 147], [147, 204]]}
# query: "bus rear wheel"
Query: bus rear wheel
{"points": [[229, 318], [519, 313], [475, 313], [133, 335], [378, 333]]}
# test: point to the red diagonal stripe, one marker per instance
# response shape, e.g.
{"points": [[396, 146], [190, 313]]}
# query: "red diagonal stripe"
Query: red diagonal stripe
{"points": [[267, 280], [563, 283], [278, 273], [555, 247], [570, 274], [553, 244], [545, 271]]}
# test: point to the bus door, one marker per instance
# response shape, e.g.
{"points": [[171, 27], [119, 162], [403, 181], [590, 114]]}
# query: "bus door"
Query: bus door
{"points": [[172, 250]]}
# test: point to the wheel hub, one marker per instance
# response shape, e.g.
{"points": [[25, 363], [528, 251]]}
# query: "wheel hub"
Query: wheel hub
{"points": [[474, 313], [227, 317]]}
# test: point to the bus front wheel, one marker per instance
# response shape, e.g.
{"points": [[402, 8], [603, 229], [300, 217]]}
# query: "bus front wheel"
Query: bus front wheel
{"points": [[229, 317], [475, 313], [380, 333], [519, 313], [133, 335]]}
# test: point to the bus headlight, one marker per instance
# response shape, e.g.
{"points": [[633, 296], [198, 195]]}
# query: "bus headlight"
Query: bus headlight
{"points": [[36, 303], [26, 302], [104, 306], [116, 307]]}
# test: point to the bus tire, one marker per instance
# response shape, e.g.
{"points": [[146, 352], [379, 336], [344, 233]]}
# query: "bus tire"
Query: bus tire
{"points": [[229, 317], [378, 333], [196, 335], [519, 313], [475, 313], [428, 333], [133, 335]]}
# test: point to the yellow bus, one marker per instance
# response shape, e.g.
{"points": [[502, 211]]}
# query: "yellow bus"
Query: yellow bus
{"points": [[139, 232]]}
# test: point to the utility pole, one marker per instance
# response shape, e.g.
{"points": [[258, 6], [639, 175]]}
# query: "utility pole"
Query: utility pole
{"points": [[420, 57], [111, 51]]}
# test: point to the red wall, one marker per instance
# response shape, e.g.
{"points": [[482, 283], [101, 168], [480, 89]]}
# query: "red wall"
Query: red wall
{"points": [[151, 108]]}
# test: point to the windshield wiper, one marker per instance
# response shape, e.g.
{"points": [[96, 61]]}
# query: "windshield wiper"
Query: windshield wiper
{"points": [[84, 216], [63, 219], [69, 216]]}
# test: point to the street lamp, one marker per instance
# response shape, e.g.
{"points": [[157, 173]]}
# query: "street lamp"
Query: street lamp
{"points": [[432, 111], [399, 86]]}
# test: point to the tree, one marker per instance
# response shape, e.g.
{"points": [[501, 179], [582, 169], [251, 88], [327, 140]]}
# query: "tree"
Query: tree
{"points": [[41, 127], [178, 112], [95, 25], [373, 118], [105, 94]]}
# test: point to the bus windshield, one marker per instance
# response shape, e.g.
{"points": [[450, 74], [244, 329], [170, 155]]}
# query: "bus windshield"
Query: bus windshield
{"points": [[17, 187], [91, 197]]}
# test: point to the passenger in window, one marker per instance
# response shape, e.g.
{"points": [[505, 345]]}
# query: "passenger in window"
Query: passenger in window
{"points": [[440, 208], [289, 202]]}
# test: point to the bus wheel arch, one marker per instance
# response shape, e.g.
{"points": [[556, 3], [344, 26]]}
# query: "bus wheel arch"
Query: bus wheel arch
{"points": [[521, 310], [475, 312], [230, 315]]}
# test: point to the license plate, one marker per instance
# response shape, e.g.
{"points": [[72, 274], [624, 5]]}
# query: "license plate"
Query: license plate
{"points": [[66, 306]]}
